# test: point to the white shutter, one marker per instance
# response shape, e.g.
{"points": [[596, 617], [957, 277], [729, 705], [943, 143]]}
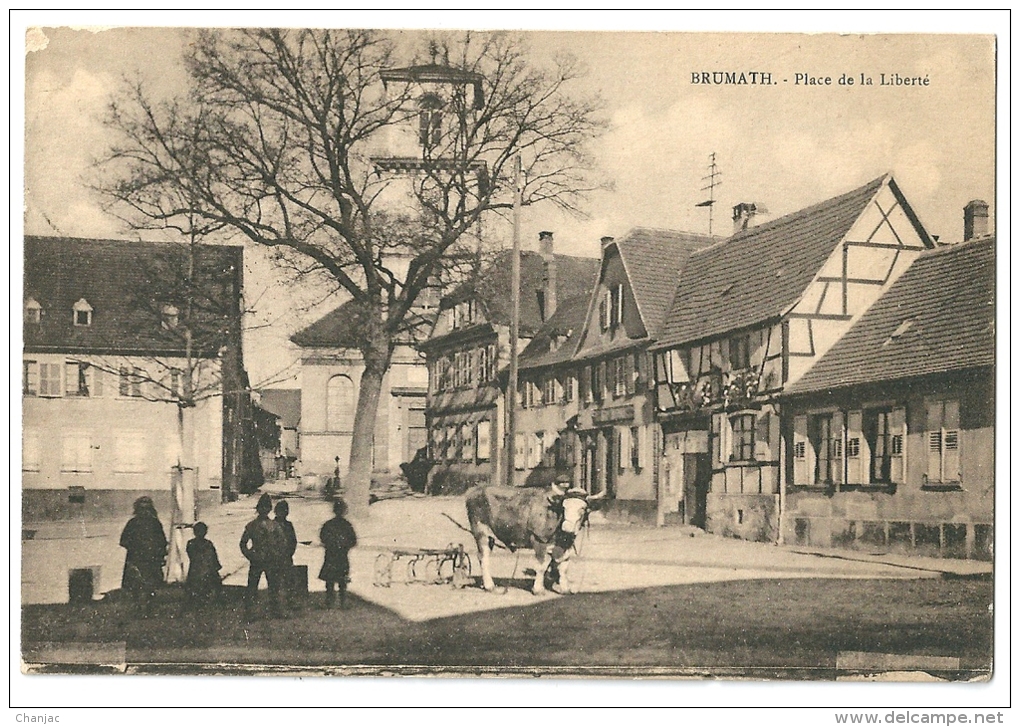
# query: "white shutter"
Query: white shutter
{"points": [[725, 438], [642, 445], [855, 449], [30, 450], [801, 451], [933, 441], [520, 451], [951, 442], [762, 434], [482, 440], [624, 448], [897, 444], [838, 442]]}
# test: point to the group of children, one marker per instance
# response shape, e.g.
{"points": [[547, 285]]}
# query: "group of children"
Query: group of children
{"points": [[269, 546]]}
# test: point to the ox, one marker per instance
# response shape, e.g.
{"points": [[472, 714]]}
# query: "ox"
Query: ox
{"points": [[546, 521]]}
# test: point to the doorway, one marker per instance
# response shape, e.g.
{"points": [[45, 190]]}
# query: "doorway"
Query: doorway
{"points": [[697, 481]]}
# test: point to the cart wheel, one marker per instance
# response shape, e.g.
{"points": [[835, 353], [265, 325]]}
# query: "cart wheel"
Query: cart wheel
{"points": [[433, 568], [445, 569], [384, 570], [412, 569]]}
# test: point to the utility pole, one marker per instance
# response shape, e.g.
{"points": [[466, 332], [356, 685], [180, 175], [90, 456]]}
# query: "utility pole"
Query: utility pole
{"points": [[713, 178], [509, 448]]}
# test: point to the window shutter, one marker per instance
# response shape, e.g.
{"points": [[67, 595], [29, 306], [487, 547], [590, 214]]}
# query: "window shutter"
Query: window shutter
{"points": [[762, 432], [717, 448], [618, 305], [856, 448], [951, 442], [520, 451], [643, 446], [603, 314], [801, 449], [630, 372], [933, 434], [838, 440], [641, 373], [621, 456], [624, 438], [725, 438], [585, 385], [482, 440], [897, 444], [600, 384]]}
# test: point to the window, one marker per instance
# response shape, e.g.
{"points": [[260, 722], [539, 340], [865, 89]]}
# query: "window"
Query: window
{"points": [[549, 390], [129, 452], [30, 378], [743, 438], [76, 452], [77, 379], [585, 385], [130, 381], [879, 433], [340, 404], [169, 317], [825, 436], [482, 440], [82, 313], [618, 376], [740, 353], [569, 382], [635, 448], [616, 315], [943, 439], [430, 120], [31, 452], [604, 307], [483, 365], [33, 311], [49, 379], [598, 379]]}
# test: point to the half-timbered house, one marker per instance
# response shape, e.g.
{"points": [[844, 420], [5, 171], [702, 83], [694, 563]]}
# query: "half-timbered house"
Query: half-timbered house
{"points": [[752, 314], [618, 434], [893, 428], [469, 349]]}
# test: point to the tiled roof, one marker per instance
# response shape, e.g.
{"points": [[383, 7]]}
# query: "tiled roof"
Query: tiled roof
{"points": [[938, 317], [284, 403], [574, 276], [127, 283], [760, 272], [653, 259], [568, 321], [339, 329]]}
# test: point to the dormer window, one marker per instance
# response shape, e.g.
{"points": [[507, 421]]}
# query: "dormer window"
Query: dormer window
{"points": [[430, 120], [33, 311], [169, 317], [82, 312]]}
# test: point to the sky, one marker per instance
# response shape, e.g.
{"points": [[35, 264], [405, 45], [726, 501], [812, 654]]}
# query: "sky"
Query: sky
{"points": [[783, 146]]}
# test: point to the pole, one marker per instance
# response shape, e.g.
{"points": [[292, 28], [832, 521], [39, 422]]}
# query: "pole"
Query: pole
{"points": [[515, 322]]}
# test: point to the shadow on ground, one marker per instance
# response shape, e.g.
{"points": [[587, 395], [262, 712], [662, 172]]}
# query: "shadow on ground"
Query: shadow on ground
{"points": [[767, 628]]}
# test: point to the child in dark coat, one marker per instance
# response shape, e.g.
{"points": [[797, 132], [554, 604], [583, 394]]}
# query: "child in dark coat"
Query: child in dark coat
{"points": [[203, 582], [337, 536]]}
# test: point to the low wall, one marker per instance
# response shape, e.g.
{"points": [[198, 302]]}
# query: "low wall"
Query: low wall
{"points": [[745, 516], [91, 505]]}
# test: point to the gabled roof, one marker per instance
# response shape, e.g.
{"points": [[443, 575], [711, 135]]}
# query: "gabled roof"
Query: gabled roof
{"points": [[340, 329], [938, 317], [285, 404], [566, 323], [761, 272], [126, 284], [653, 260], [574, 276]]}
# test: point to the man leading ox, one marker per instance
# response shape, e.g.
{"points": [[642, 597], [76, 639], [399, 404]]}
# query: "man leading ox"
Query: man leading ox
{"points": [[545, 521]]}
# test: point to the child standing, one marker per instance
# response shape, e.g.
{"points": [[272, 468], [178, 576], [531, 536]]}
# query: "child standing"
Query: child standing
{"points": [[337, 536], [203, 582]]}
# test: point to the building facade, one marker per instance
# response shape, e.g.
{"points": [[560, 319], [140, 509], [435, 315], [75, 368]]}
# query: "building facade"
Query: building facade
{"points": [[331, 367], [107, 377], [893, 438], [751, 316], [468, 351]]}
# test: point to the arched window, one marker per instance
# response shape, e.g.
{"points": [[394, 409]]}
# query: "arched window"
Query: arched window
{"points": [[340, 404], [430, 120]]}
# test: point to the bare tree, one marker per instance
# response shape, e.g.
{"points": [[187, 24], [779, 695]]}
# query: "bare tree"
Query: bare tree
{"points": [[279, 139]]}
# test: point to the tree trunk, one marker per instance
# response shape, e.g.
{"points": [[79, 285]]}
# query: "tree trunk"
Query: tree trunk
{"points": [[359, 473]]}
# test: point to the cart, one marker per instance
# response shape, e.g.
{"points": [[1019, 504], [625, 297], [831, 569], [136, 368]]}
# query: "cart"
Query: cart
{"points": [[424, 566]]}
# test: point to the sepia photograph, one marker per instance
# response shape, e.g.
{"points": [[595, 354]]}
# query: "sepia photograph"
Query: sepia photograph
{"points": [[353, 352]]}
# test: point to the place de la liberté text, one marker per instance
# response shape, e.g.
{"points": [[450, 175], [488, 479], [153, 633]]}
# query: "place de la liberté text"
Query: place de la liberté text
{"points": [[765, 78]]}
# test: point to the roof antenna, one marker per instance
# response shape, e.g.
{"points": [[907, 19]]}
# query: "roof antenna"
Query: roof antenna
{"points": [[713, 178]]}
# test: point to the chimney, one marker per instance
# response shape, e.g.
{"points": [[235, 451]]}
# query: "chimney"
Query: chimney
{"points": [[743, 213], [606, 241], [548, 297], [975, 219]]}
